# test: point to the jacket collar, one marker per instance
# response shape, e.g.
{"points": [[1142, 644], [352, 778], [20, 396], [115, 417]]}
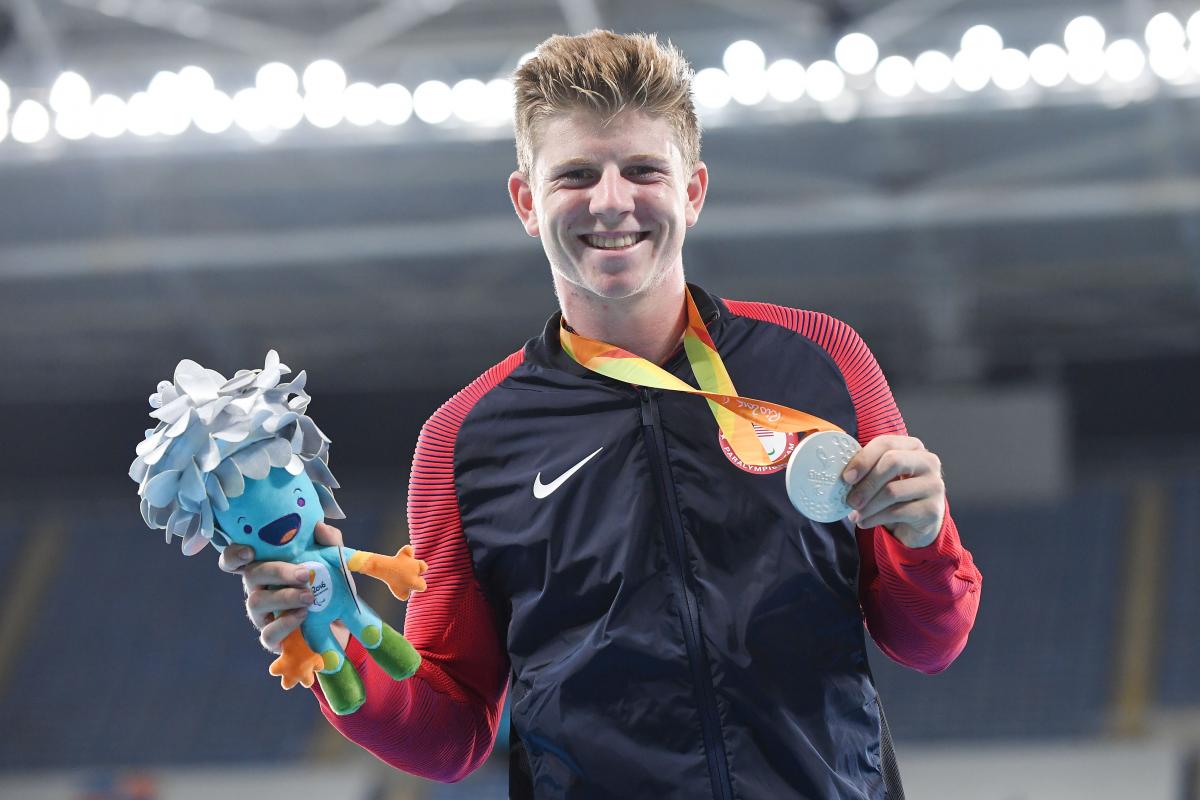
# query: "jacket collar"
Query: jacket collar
{"points": [[546, 350]]}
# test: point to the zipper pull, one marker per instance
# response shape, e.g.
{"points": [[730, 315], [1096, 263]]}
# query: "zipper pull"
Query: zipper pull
{"points": [[647, 407]]}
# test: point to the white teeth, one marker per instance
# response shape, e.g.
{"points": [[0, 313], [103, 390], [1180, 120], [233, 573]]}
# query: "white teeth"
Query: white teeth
{"points": [[611, 242]]}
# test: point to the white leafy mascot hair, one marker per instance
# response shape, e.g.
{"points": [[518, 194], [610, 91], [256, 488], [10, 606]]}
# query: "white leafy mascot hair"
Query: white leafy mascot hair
{"points": [[214, 433]]}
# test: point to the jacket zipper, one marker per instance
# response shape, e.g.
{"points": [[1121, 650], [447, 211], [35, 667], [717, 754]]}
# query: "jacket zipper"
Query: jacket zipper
{"points": [[714, 745]]}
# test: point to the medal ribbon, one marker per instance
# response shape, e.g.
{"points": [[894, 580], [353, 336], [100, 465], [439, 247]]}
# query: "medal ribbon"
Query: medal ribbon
{"points": [[734, 414]]}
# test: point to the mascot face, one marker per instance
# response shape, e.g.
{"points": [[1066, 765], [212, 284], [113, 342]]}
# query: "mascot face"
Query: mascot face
{"points": [[275, 515]]}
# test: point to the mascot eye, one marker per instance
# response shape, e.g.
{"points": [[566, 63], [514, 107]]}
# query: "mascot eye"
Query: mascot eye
{"points": [[300, 502], [247, 529]]}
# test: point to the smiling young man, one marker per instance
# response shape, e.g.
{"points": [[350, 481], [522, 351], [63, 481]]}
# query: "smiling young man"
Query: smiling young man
{"points": [[669, 624]]}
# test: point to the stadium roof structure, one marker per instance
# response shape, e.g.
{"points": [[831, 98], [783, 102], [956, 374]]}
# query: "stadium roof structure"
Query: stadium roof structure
{"points": [[966, 232]]}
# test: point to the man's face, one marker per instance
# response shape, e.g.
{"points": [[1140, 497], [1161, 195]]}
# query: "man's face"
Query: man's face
{"points": [[610, 202]]}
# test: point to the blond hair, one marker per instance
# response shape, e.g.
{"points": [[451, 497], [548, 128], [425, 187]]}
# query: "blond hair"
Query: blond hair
{"points": [[605, 73]]}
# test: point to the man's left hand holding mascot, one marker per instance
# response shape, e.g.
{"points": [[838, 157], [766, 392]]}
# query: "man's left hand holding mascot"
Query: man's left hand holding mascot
{"points": [[237, 462]]}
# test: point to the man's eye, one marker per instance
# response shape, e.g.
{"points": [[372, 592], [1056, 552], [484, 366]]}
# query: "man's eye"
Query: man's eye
{"points": [[575, 175], [644, 170]]}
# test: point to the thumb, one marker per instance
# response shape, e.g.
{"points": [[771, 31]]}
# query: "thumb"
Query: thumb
{"points": [[327, 535]]}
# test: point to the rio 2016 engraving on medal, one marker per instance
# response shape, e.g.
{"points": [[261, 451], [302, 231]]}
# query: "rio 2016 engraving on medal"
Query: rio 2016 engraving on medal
{"points": [[814, 475]]}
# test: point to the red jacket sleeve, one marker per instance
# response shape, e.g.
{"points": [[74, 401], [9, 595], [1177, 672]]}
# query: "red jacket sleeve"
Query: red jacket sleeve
{"points": [[440, 723], [919, 604]]}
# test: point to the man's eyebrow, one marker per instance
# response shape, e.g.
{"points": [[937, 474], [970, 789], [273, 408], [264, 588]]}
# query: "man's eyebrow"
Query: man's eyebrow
{"points": [[571, 162], [580, 161]]}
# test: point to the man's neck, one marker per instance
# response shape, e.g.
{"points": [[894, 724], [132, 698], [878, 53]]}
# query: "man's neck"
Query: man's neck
{"points": [[650, 325]]}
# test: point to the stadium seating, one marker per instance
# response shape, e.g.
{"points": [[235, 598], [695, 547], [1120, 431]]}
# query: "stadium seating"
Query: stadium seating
{"points": [[1178, 653], [142, 656], [1036, 665]]}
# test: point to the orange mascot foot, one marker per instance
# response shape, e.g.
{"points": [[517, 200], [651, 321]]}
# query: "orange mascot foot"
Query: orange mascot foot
{"points": [[298, 663]]}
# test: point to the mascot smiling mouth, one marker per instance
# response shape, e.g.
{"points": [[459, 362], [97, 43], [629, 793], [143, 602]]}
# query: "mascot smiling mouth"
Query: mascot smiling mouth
{"points": [[281, 531]]}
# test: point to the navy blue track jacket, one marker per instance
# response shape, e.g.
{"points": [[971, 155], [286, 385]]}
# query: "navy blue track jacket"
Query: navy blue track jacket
{"points": [[672, 626]]}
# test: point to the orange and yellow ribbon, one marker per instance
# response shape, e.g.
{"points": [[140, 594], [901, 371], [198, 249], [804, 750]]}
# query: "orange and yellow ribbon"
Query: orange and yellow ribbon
{"points": [[735, 415]]}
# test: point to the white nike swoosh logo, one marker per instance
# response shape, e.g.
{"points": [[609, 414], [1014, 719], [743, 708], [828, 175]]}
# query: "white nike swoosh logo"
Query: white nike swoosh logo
{"points": [[544, 490]]}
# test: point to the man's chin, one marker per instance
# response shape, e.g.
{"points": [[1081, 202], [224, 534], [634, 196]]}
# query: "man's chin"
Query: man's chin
{"points": [[608, 285]]}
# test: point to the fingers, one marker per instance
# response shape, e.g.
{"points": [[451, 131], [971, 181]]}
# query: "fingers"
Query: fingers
{"points": [[264, 603], [881, 462], [921, 514], [864, 460], [898, 484], [278, 627], [327, 535], [234, 557], [894, 492], [274, 573]]}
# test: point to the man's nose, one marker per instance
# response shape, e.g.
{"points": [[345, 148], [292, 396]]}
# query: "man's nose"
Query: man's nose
{"points": [[612, 195]]}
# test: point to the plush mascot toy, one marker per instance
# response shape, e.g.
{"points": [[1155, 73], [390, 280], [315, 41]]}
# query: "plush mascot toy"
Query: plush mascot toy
{"points": [[238, 458]]}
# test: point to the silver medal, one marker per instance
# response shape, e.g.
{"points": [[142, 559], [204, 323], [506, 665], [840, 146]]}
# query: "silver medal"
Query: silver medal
{"points": [[814, 475]]}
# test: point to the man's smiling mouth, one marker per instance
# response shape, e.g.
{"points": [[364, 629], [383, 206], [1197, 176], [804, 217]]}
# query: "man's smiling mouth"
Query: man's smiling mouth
{"points": [[614, 241]]}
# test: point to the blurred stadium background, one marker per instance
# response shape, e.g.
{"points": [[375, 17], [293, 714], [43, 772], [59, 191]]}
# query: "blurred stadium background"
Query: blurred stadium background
{"points": [[1002, 196]]}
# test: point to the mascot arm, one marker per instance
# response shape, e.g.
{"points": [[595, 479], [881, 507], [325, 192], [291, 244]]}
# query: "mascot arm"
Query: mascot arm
{"points": [[401, 572]]}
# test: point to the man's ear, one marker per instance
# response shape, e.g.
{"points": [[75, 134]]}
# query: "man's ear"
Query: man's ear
{"points": [[697, 190], [521, 193]]}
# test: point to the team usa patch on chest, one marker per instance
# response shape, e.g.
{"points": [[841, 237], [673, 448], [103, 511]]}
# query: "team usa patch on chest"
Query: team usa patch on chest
{"points": [[778, 446]]}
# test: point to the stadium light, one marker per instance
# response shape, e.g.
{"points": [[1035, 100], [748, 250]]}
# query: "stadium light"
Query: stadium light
{"points": [[172, 105], [359, 106], [895, 76], [142, 115], [194, 83], [712, 88], [73, 125], [934, 71], [323, 109], [324, 77], [785, 80], [972, 70], [1124, 61], [30, 122], [982, 40], [394, 104], [501, 102], [468, 100], [70, 94], [249, 113], [1085, 66], [174, 101], [825, 81], [164, 84], [1010, 70], [110, 116], [1048, 65], [433, 102], [284, 110], [744, 57], [750, 89], [856, 53], [1169, 63], [1084, 34], [276, 78], [214, 114], [1164, 30]]}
